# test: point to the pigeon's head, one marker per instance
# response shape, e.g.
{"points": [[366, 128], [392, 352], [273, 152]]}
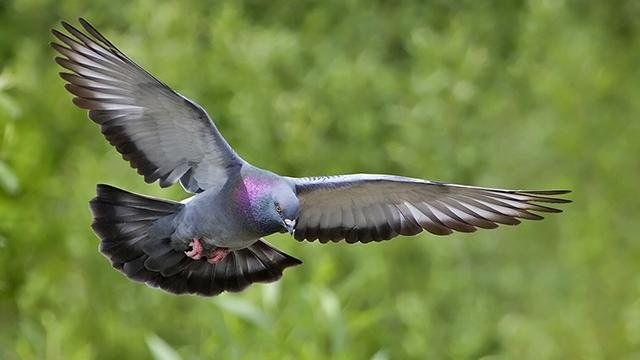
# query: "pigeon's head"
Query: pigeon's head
{"points": [[270, 205], [286, 206]]}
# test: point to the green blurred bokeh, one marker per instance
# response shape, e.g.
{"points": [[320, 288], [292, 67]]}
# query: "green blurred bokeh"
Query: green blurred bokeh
{"points": [[516, 94]]}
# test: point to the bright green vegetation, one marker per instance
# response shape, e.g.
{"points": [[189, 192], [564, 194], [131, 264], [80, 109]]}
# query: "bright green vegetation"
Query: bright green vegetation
{"points": [[522, 94]]}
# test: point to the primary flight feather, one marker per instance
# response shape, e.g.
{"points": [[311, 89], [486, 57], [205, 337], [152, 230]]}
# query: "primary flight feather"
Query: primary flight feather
{"points": [[213, 241]]}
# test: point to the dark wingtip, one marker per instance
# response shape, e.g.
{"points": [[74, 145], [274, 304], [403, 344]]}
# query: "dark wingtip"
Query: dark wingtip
{"points": [[547, 192], [71, 88], [550, 209], [67, 26], [546, 195], [84, 22], [562, 201], [60, 60], [57, 34], [57, 47], [65, 76]]}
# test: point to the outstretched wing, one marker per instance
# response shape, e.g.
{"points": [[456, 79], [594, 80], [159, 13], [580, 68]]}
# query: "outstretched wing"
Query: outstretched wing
{"points": [[364, 208], [162, 134]]}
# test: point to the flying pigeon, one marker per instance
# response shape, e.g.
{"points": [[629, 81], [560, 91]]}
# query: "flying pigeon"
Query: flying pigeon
{"points": [[213, 241]]}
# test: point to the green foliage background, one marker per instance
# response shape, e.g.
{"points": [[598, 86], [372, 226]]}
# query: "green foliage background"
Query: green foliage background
{"points": [[524, 94]]}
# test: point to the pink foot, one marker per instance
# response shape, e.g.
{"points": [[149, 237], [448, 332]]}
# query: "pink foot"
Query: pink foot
{"points": [[217, 255], [196, 250]]}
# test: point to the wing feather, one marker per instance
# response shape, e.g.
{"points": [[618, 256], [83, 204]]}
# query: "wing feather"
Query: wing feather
{"points": [[165, 136], [364, 208]]}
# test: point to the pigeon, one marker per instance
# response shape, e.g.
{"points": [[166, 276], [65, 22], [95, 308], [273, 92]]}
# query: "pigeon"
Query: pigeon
{"points": [[213, 241]]}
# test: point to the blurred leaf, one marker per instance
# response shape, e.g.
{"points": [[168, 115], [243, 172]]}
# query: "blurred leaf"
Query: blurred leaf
{"points": [[9, 106], [330, 304], [271, 294], [243, 309], [160, 350], [8, 180], [380, 355], [7, 103]]}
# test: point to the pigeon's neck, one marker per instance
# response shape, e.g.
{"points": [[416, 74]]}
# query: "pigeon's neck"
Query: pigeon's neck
{"points": [[250, 197], [250, 189]]}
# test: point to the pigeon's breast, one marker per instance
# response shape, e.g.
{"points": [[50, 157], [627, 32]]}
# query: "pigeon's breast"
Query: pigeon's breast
{"points": [[210, 216]]}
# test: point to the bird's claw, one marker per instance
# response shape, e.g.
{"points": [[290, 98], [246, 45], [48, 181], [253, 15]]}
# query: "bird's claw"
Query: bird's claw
{"points": [[217, 255], [196, 250]]}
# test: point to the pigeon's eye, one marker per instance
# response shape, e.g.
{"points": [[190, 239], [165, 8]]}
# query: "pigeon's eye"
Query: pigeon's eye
{"points": [[278, 208]]}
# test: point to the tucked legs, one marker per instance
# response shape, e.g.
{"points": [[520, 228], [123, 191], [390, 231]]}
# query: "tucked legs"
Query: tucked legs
{"points": [[197, 252], [217, 255]]}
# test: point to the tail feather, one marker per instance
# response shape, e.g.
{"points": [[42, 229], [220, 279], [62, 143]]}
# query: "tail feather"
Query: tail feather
{"points": [[122, 221]]}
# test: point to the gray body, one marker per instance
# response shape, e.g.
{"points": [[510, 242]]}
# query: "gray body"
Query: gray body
{"points": [[213, 215], [208, 216]]}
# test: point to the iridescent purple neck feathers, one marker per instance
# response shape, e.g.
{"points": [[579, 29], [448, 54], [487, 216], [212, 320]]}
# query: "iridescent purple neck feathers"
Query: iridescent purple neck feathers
{"points": [[264, 202], [251, 190]]}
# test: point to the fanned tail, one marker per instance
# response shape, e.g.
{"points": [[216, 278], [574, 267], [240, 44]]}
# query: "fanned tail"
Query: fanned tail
{"points": [[122, 221]]}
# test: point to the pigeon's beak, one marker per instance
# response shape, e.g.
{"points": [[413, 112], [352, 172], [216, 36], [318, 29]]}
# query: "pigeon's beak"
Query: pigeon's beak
{"points": [[290, 225]]}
